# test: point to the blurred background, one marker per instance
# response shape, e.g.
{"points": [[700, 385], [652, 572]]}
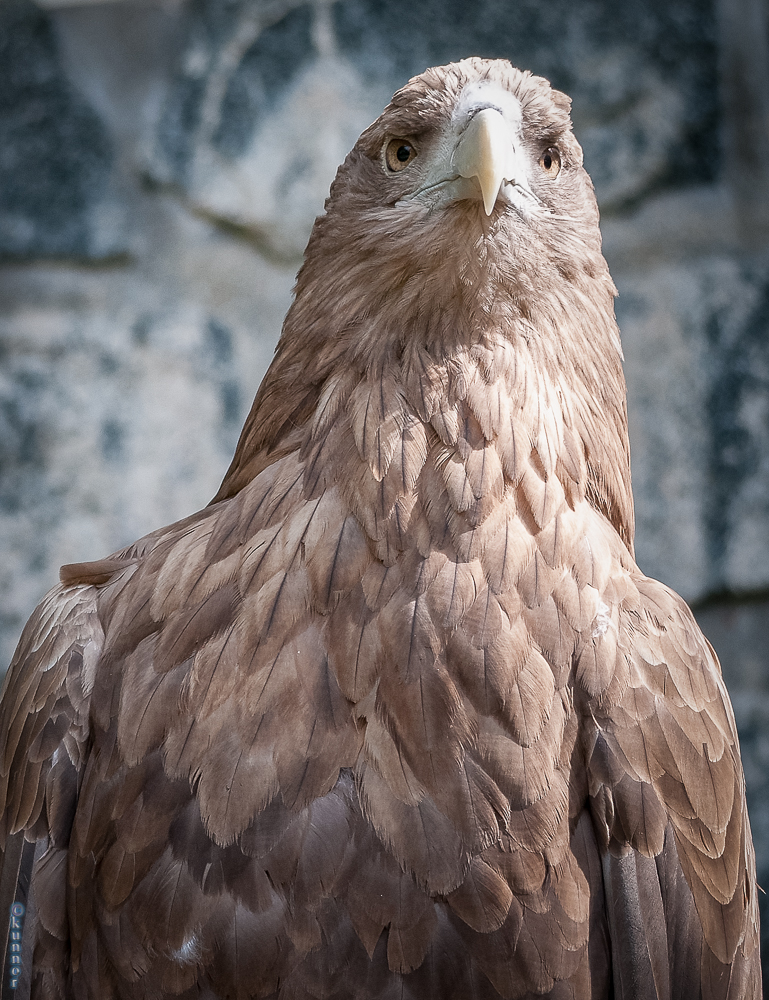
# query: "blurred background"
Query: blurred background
{"points": [[161, 164]]}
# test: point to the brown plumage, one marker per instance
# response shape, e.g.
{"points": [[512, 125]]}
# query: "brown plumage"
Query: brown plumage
{"points": [[397, 715]]}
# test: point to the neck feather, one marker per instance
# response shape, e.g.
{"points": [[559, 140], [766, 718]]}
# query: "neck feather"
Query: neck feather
{"points": [[447, 363]]}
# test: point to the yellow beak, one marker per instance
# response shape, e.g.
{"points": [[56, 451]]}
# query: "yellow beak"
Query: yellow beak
{"points": [[486, 151]]}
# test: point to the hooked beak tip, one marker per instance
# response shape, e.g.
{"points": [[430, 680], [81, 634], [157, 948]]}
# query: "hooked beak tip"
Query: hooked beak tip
{"points": [[485, 152]]}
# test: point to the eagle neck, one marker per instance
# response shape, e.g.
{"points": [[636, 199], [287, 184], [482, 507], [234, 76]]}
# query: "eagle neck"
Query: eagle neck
{"points": [[397, 373]]}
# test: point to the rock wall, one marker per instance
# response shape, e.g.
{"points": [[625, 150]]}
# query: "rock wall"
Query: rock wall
{"points": [[162, 161]]}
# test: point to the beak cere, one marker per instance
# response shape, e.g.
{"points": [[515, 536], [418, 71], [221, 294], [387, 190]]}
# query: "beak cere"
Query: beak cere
{"points": [[486, 151]]}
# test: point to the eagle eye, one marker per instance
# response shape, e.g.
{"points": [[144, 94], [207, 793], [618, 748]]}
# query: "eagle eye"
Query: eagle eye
{"points": [[398, 154], [550, 161]]}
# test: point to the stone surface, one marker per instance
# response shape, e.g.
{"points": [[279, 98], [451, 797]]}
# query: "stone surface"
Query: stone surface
{"points": [[697, 359], [162, 162], [55, 152]]}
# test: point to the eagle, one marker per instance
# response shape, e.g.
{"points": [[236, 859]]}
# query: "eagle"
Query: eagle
{"points": [[396, 715]]}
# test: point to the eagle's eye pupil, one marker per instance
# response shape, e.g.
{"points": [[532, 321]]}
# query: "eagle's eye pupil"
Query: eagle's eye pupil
{"points": [[398, 154], [550, 161]]}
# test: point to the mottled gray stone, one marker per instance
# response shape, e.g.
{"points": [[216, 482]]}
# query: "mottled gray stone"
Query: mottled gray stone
{"points": [[260, 114], [697, 353], [55, 153]]}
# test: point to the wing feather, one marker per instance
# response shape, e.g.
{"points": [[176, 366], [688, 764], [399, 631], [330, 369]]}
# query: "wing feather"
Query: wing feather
{"points": [[44, 728], [666, 753]]}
